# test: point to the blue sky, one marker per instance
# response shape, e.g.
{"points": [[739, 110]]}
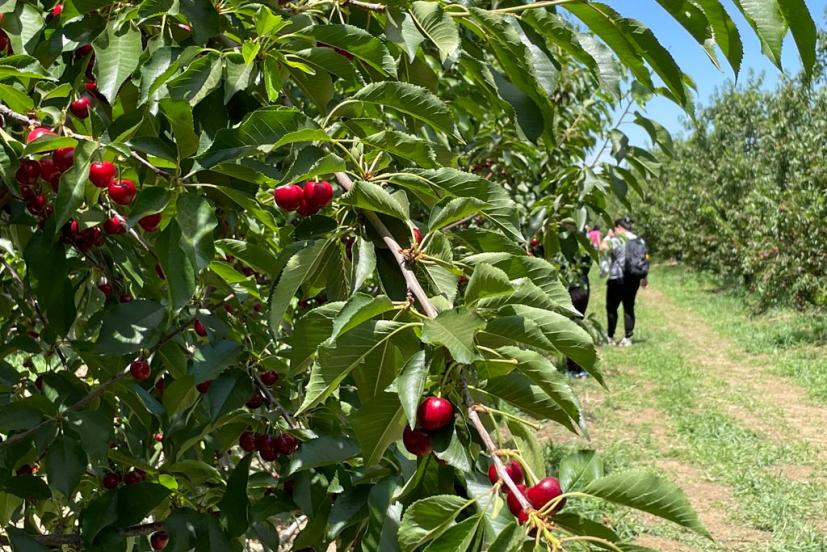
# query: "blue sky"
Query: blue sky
{"points": [[694, 61]]}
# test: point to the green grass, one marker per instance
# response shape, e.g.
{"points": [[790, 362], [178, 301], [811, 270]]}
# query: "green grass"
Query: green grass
{"points": [[662, 373]]}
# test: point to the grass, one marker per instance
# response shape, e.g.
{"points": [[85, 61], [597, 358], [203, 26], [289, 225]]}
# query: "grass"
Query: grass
{"points": [[666, 410]]}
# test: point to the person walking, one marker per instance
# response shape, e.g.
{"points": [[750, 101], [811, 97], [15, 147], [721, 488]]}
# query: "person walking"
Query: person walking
{"points": [[628, 270]]}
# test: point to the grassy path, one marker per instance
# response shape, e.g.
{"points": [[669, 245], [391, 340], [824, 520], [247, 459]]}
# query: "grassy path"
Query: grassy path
{"points": [[733, 408]]}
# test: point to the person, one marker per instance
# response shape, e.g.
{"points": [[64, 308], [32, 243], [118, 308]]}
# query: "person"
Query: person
{"points": [[579, 292], [595, 236], [627, 270]]}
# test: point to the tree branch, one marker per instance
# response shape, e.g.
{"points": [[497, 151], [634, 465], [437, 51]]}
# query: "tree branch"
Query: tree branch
{"points": [[74, 539], [370, 6], [17, 116]]}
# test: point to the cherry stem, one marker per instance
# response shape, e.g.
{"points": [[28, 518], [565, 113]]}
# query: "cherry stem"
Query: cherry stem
{"points": [[274, 402], [370, 6]]}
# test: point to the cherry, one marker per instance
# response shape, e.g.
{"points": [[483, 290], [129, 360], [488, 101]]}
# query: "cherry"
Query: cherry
{"points": [[266, 445], [105, 288], [511, 499], [102, 173], [286, 444], [57, 10], [513, 469], [80, 107], [160, 272], [416, 441], [122, 191], [343, 53], [256, 400], [27, 192], [204, 386], [4, 40], [38, 381], [116, 224], [417, 235], [49, 171], [134, 476], [159, 386], [140, 369], [522, 517], [159, 540], [199, 328], [111, 480], [150, 222], [269, 378], [125, 298], [247, 441], [288, 197], [91, 86], [28, 173], [318, 194], [158, 437], [37, 203], [544, 492], [37, 133], [434, 413], [25, 469], [306, 209], [83, 51], [535, 242]]}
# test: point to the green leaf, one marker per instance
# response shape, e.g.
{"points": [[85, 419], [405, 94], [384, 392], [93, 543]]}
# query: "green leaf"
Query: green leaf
{"points": [[179, 272], [27, 487], [578, 469], [235, 503], [179, 115], [230, 391], [266, 128], [209, 360], [437, 26], [22, 541], [765, 17], [322, 451], [310, 331], [350, 351], [313, 162], [376, 425], [518, 390], [403, 145], [130, 327], [136, 501], [649, 493], [410, 385], [116, 58], [298, 269], [486, 281], [15, 99], [364, 263], [694, 20], [48, 142], [197, 220], [359, 309], [508, 540], [358, 42], [47, 273], [455, 210], [65, 463], [95, 430], [544, 275], [410, 99], [204, 18], [198, 80], [803, 29], [455, 330], [254, 256], [370, 196], [401, 30], [426, 519], [724, 31], [72, 185], [458, 537], [151, 199]]}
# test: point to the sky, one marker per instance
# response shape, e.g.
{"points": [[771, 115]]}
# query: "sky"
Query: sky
{"points": [[692, 58]]}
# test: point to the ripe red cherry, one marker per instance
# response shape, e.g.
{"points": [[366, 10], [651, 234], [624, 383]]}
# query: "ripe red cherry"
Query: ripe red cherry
{"points": [[159, 540], [158, 437], [83, 50], [247, 441], [511, 499], [4, 40], [111, 480], [116, 224], [134, 476], [49, 171], [28, 173], [318, 194], [416, 441], [102, 173], [288, 197], [306, 209], [80, 107], [544, 492], [434, 413], [522, 517], [125, 298], [25, 469], [266, 445], [269, 378], [37, 203], [64, 158], [199, 328], [140, 369], [204, 386], [417, 235], [91, 86], [159, 386], [122, 191], [286, 444], [535, 242], [106, 289], [150, 222], [513, 469], [256, 400], [57, 10], [37, 133]]}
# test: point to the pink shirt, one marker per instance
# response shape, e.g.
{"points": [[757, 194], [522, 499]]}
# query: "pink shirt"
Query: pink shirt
{"points": [[594, 236]]}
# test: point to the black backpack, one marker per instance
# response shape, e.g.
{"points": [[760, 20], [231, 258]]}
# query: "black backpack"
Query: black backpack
{"points": [[637, 259]]}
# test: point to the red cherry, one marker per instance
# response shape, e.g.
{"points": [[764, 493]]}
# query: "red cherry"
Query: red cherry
{"points": [[343, 53], [434, 413], [122, 191], [160, 272], [266, 445], [510, 499], [111, 480], [37, 133], [150, 222], [513, 469], [125, 298], [28, 173], [159, 386], [140, 369], [417, 235], [134, 476], [25, 469], [286, 444], [4, 40], [544, 492], [306, 209], [416, 441], [49, 171], [522, 517], [269, 378], [27, 192], [116, 224], [37, 203], [159, 540], [257, 307], [288, 197], [106, 289], [204, 386], [199, 328], [256, 400], [91, 86], [158, 437], [80, 107], [318, 193], [535, 242], [247, 441], [38, 381], [83, 51], [57, 10], [102, 173]]}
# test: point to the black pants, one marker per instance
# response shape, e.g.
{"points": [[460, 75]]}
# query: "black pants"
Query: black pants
{"points": [[617, 292], [580, 301]]}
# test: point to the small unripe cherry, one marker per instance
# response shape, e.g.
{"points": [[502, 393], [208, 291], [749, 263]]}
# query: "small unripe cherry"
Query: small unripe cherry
{"points": [[57, 9], [199, 328], [434, 413], [150, 222], [25, 469], [158, 437], [37, 133], [416, 441], [102, 173], [417, 235], [269, 378], [140, 369]]}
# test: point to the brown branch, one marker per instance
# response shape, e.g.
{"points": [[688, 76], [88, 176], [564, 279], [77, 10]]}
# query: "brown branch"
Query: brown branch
{"points": [[274, 402], [17, 116], [410, 278], [370, 6], [74, 539]]}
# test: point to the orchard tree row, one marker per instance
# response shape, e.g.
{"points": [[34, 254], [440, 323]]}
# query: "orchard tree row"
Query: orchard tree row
{"points": [[269, 272]]}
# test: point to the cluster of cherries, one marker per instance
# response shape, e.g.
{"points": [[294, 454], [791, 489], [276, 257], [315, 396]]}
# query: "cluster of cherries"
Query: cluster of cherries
{"points": [[269, 447], [307, 200], [538, 495], [49, 168], [112, 480], [433, 415]]}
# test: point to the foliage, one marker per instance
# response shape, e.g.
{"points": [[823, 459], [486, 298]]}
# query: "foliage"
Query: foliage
{"points": [[163, 318]]}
